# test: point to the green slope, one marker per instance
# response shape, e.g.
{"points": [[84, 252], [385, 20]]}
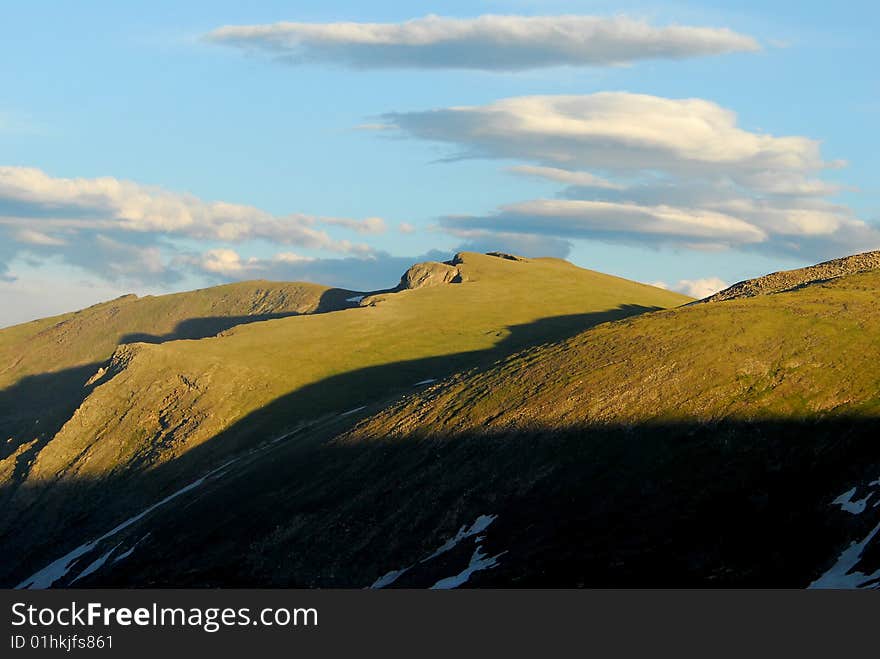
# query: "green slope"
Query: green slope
{"points": [[810, 352], [91, 335], [157, 403], [45, 365]]}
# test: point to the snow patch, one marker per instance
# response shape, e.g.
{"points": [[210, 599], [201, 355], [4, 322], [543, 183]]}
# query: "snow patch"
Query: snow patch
{"points": [[59, 568], [55, 570], [479, 561], [128, 552], [95, 565], [428, 381], [388, 579], [841, 574], [480, 524], [356, 298], [845, 501]]}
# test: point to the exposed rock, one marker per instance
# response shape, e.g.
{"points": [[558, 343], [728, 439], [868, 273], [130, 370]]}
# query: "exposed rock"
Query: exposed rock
{"points": [[787, 280], [508, 257], [120, 360], [97, 376], [430, 273]]}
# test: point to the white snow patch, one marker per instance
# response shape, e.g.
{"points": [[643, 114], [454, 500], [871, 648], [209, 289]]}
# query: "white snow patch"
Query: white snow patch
{"points": [[128, 552], [841, 574], [428, 381], [481, 524], [388, 579], [95, 565], [57, 569], [845, 501], [357, 409], [356, 298], [479, 561]]}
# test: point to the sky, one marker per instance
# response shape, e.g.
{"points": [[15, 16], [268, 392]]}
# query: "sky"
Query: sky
{"points": [[164, 146]]}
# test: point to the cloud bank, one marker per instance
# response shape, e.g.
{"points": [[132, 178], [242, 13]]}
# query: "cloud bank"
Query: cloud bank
{"points": [[488, 43], [121, 230], [649, 170]]}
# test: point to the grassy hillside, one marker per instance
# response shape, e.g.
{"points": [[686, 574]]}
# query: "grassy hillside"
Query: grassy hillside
{"points": [[46, 366], [729, 443], [89, 336], [158, 402], [807, 353]]}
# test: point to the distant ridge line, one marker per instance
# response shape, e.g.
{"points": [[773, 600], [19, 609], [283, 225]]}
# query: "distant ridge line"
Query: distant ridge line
{"points": [[786, 280]]}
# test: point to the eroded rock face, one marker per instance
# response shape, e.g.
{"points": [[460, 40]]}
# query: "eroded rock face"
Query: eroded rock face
{"points": [[778, 282], [430, 273]]}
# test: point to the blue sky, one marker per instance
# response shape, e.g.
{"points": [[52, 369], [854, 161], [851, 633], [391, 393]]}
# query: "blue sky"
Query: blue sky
{"points": [[122, 125]]}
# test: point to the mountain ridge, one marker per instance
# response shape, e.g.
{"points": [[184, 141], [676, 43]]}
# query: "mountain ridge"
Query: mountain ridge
{"points": [[785, 280]]}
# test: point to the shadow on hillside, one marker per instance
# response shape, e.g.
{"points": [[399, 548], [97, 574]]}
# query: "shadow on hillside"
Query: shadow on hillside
{"points": [[34, 410], [334, 299], [201, 328], [373, 385], [64, 516], [36, 407], [734, 503]]}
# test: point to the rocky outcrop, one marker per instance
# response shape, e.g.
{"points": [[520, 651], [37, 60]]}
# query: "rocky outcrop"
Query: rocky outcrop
{"points": [[430, 273], [787, 280]]}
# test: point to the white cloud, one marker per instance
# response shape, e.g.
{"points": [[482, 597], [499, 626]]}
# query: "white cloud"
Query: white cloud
{"points": [[370, 225], [30, 196], [228, 263], [375, 272], [406, 228], [580, 179], [491, 43], [31, 237], [695, 288], [641, 168], [613, 131], [290, 257], [621, 221], [123, 230], [520, 244], [700, 288], [222, 262]]}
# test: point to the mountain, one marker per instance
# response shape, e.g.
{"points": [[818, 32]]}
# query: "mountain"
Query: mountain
{"points": [[110, 410], [726, 443]]}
